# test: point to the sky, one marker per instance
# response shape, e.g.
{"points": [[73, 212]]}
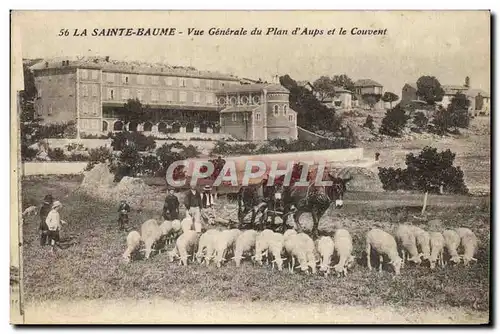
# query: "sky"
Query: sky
{"points": [[449, 45]]}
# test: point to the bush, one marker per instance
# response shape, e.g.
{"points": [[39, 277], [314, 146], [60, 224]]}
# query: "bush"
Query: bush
{"points": [[394, 121], [137, 139], [92, 136], [57, 130], [369, 123], [150, 165], [420, 120], [27, 153], [78, 157], [99, 155], [56, 154], [128, 164]]}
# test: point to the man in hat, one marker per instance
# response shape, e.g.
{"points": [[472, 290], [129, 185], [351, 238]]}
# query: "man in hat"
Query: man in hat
{"points": [[207, 197], [171, 206], [44, 211], [123, 210], [54, 224], [193, 203]]}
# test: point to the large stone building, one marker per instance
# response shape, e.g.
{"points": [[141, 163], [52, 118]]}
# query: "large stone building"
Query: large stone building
{"points": [[92, 92], [368, 86], [257, 112]]}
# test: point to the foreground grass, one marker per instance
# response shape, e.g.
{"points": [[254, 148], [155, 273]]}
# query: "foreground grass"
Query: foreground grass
{"points": [[92, 268]]}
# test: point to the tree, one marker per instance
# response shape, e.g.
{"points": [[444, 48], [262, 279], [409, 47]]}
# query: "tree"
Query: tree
{"points": [[135, 112], [324, 88], [393, 122], [429, 89], [343, 81], [371, 99], [390, 97], [458, 110], [420, 120]]}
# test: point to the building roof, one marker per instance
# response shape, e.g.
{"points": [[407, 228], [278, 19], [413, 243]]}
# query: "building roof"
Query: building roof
{"points": [[107, 65], [270, 88], [470, 92], [476, 92], [367, 83], [411, 84], [339, 89]]}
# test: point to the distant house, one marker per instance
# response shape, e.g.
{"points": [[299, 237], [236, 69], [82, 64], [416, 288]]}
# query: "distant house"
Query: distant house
{"points": [[479, 99], [368, 86], [306, 84], [341, 100]]}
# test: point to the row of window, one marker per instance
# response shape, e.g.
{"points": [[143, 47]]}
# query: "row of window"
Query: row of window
{"points": [[234, 117], [163, 96], [278, 107], [93, 108], [155, 80]]}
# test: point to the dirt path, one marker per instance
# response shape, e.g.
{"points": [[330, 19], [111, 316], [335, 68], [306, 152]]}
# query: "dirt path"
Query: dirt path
{"points": [[164, 311]]}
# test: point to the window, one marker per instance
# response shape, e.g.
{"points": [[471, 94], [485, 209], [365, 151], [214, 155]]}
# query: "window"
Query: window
{"points": [[94, 90], [290, 118], [196, 98], [182, 97], [85, 90], [140, 79], [154, 80], [50, 111], [210, 98], [196, 83], [208, 84], [234, 117], [285, 109], [125, 79], [169, 81], [95, 75], [182, 82], [84, 74], [139, 94], [245, 116], [257, 116], [110, 77], [85, 107], [154, 95], [276, 110], [111, 94], [125, 94], [170, 96], [95, 108]]}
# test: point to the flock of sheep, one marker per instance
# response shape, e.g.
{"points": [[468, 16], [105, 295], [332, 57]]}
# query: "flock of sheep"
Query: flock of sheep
{"points": [[299, 250]]}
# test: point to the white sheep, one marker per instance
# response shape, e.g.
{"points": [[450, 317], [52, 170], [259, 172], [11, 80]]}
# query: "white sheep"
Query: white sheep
{"points": [[206, 246], [437, 249], [384, 244], [150, 234], [300, 248], [407, 242], [276, 245], [289, 232], [244, 243], [225, 241], [469, 242], [187, 224], [133, 244], [30, 211], [423, 240], [262, 245], [185, 245], [451, 243], [343, 248], [325, 247], [169, 231]]}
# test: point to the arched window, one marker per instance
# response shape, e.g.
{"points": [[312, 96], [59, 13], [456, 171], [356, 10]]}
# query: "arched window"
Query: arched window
{"points": [[176, 128], [104, 126], [132, 126], [276, 110], [118, 126], [148, 126], [285, 109], [162, 127], [189, 127]]}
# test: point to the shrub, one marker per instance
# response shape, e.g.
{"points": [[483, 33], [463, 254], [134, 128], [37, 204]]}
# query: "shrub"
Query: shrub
{"points": [[137, 139], [118, 141], [56, 154], [99, 155], [57, 130], [394, 121], [78, 157], [369, 123], [420, 120], [27, 153], [128, 164], [150, 165]]}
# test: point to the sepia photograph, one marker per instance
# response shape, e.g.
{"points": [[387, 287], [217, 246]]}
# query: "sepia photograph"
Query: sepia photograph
{"points": [[250, 167]]}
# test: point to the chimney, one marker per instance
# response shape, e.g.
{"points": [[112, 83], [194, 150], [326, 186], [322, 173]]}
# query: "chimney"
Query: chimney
{"points": [[467, 82]]}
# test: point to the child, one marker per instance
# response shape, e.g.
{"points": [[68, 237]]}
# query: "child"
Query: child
{"points": [[123, 210], [54, 222], [171, 206], [44, 211]]}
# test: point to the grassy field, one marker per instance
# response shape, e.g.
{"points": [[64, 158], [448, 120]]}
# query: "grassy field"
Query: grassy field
{"points": [[92, 268]]}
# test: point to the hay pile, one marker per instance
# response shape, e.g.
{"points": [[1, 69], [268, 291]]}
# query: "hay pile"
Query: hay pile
{"points": [[363, 179]]}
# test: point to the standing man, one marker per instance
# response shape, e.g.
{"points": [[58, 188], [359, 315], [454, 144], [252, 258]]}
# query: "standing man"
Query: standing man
{"points": [[207, 197], [44, 211], [171, 206], [193, 203]]}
